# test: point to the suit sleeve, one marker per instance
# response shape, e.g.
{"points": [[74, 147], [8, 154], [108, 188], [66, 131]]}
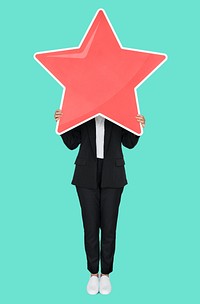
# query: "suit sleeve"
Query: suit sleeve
{"points": [[129, 140], [72, 138]]}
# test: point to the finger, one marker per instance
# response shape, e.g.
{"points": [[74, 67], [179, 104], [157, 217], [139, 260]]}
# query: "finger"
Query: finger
{"points": [[140, 120], [57, 117]]}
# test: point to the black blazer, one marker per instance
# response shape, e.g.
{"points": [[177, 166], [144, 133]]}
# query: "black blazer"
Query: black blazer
{"points": [[113, 171]]}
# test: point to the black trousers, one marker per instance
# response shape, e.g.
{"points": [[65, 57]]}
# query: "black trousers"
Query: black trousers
{"points": [[99, 209]]}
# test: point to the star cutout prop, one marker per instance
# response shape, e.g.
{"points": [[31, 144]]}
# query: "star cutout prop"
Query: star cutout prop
{"points": [[100, 77]]}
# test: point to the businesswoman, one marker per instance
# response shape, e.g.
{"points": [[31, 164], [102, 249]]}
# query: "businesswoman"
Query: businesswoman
{"points": [[99, 178]]}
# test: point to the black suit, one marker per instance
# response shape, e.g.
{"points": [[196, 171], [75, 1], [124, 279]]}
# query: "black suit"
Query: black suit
{"points": [[113, 171], [99, 184]]}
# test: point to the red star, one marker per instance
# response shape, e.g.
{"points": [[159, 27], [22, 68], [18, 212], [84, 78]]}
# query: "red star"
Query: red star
{"points": [[100, 77]]}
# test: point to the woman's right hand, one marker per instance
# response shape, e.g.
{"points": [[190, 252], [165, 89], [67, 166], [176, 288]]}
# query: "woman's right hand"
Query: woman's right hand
{"points": [[58, 114]]}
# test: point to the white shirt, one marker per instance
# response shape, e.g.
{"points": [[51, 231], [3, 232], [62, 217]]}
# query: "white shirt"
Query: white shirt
{"points": [[100, 131]]}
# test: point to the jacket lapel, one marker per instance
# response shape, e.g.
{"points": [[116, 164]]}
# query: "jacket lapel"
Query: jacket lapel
{"points": [[108, 130], [92, 134], [91, 127]]}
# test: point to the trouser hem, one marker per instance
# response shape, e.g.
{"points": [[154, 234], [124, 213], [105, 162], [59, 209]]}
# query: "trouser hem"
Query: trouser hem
{"points": [[106, 271], [92, 270]]}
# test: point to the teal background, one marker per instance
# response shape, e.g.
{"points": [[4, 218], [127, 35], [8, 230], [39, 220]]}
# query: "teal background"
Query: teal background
{"points": [[157, 251]]}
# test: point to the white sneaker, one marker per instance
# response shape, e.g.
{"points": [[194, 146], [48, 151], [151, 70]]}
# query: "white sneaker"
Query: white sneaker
{"points": [[105, 285], [93, 285]]}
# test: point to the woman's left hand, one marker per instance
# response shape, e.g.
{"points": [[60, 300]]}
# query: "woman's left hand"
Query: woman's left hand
{"points": [[140, 118]]}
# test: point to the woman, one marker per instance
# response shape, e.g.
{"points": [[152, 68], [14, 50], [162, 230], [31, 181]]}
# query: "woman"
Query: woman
{"points": [[99, 178]]}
